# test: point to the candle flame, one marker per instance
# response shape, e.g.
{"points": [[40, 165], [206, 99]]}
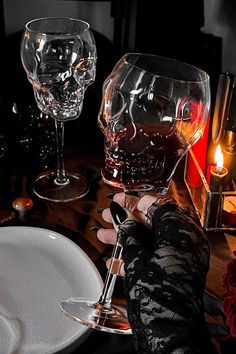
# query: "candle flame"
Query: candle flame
{"points": [[219, 159]]}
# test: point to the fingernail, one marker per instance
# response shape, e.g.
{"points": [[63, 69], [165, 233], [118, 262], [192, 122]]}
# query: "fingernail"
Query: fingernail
{"points": [[118, 213], [94, 228], [100, 210], [110, 195]]}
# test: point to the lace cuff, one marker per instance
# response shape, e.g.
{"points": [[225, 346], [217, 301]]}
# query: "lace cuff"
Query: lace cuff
{"points": [[166, 265]]}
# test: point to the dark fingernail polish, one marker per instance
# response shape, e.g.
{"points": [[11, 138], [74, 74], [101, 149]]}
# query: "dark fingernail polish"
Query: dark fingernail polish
{"points": [[110, 195], [118, 213], [100, 210], [94, 228]]}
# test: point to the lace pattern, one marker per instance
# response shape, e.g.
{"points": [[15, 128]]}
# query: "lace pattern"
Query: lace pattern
{"points": [[166, 265]]}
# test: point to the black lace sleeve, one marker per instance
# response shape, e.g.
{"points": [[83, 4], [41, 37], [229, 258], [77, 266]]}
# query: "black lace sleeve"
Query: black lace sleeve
{"points": [[166, 265]]}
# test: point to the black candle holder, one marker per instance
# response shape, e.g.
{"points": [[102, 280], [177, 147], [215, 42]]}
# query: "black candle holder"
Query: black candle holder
{"points": [[211, 207]]}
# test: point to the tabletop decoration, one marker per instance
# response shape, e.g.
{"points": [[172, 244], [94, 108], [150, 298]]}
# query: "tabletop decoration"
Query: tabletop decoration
{"points": [[229, 302], [6, 216], [222, 107], [200, 150], [22, 205], [210, 198], [218, 174], [229, 151], [212, 188], [229, 210]]}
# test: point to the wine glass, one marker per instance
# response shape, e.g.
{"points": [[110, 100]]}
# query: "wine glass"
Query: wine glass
{"points": [[153, 110], [59, 57]]}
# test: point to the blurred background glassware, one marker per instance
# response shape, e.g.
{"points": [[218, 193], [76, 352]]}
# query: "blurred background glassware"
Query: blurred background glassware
{"points": [[4, 150], [28, 146], [4, 178], [153, 110], [59, 56], [3, 146], [32, 141]]}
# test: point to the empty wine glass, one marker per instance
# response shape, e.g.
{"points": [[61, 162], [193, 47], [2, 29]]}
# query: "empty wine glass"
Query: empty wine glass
{"points": [[153, 110], [59, 57]]}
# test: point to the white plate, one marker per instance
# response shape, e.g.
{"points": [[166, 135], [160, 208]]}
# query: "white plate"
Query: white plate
{"points": [[38, 269]]}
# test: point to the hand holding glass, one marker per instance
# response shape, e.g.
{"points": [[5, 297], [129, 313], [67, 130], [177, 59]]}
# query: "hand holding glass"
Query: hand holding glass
{"points": [[59, 57], [153, 110]]}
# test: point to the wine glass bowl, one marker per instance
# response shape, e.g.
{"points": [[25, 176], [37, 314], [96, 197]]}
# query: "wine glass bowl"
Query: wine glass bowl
{"points": [[59, 57], [153, 110]]}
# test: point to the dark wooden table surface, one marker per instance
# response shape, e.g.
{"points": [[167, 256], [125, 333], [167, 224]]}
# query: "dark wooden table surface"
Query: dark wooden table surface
{"points": [[74, 220]]}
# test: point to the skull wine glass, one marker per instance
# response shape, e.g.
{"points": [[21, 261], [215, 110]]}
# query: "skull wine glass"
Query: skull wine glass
{"points": [[59, 57], [153, 110]]}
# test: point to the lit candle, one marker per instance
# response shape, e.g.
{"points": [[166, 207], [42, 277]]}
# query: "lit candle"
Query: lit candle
{"points": [[218, 172], [215, 200]]}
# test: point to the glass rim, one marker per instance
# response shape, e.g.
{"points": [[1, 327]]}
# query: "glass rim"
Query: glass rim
{"points": [[69, 19], [204, 75]]}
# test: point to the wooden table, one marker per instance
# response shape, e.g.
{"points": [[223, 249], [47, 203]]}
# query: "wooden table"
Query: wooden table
{"points": [[74, 220]]}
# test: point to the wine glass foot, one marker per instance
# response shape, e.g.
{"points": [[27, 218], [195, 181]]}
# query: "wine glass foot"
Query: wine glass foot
{"points": [[45, 187], [94, 315]]}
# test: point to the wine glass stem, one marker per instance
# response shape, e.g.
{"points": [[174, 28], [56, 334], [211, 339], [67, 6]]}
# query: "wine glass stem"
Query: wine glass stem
{"points": [[106, 297], [131, 199], [61, 173]]}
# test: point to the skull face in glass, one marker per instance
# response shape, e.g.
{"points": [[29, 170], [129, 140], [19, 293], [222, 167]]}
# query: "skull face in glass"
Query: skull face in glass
{"points": [[153, 109], [60, 69]]}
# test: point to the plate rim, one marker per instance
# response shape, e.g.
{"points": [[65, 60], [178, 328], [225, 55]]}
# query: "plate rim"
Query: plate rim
{"points": [[84, 331]]}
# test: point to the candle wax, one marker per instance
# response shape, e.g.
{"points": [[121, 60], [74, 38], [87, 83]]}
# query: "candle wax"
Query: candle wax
{"points": [[217, 178]]}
